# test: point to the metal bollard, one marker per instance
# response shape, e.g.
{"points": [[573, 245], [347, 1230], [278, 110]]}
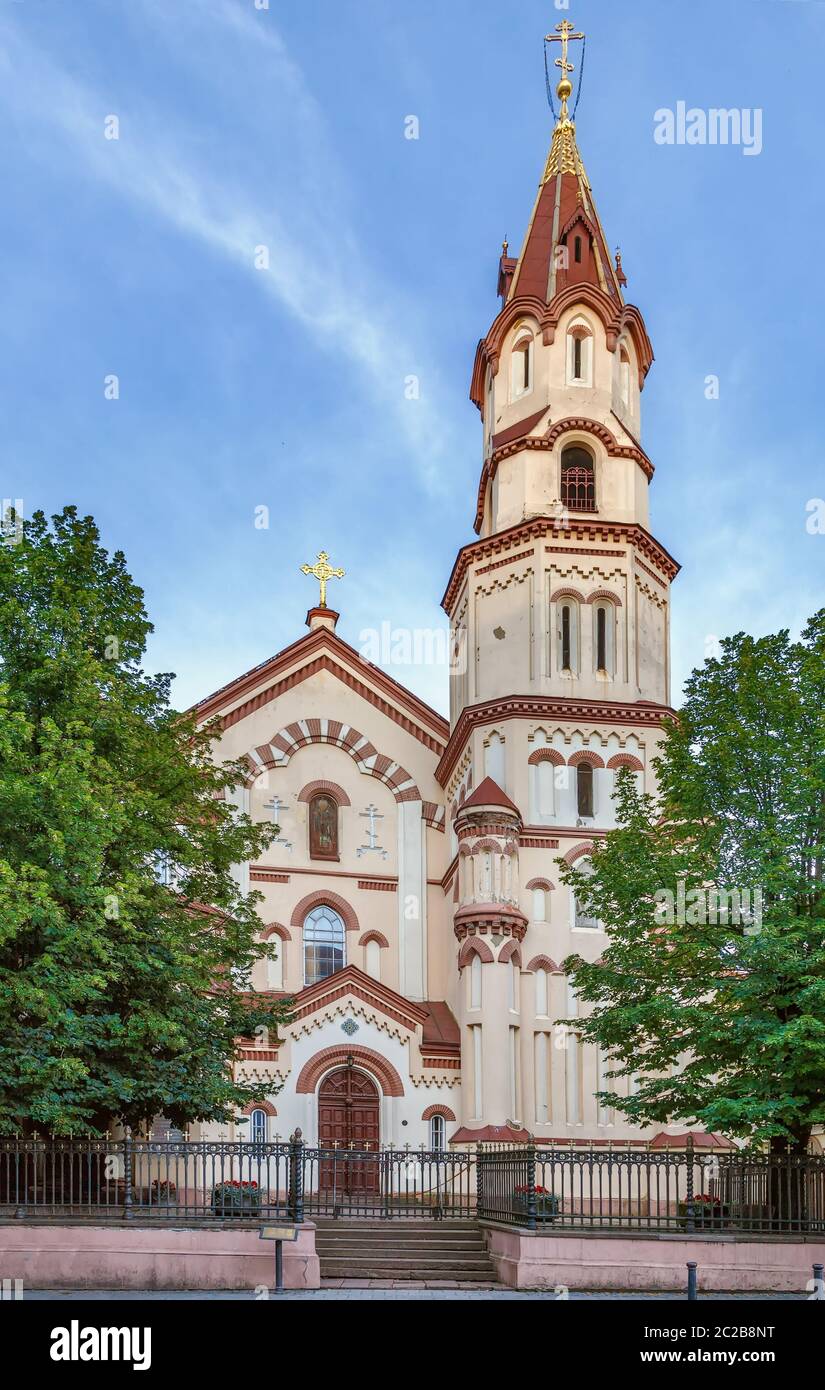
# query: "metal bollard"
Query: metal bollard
{"points": [[692, 1294], [819, 1282]]}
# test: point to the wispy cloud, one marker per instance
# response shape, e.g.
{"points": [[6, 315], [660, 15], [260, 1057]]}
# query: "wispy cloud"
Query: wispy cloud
{"points": [[314, 271]]}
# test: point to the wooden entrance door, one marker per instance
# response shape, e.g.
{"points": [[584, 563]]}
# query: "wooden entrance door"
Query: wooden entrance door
{"points": [[348, 1121]]}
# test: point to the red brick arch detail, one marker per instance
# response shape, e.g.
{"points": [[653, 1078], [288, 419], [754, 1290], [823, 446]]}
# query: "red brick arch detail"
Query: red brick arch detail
{"points": [[373, 936], [332, 788], [604, 594], [379, 1068], [275, 929], [321, 899], [625, 760], [566, 593], [510, 952], [577, 424], [585, 756], [264, 1105], [289, 740], [544, 963], [438, 1110], [578, 852], [546, 755], [474, 947], [541, 883], [492, 845]]}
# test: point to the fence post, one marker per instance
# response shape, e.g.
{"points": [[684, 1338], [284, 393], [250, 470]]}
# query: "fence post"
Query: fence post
{"points": [[689, 1212], [531, 1188], [296, 1177], [128, 1171], [479, 1181]]}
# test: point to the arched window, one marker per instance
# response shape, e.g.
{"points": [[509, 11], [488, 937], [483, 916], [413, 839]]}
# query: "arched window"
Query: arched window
{"points": [[324, 944], [475, 980], [513, 980], [578, 483], [275, 968], [584, 789], [624, 376], [323, 827], [522, 365], [577, 250], [438, 1134], [489, 405], [542, 980], [579, 355], [582, 918], [494, 760], [540, 897], [373, 959], [257, 1127], [604, 632], [568, 635]]}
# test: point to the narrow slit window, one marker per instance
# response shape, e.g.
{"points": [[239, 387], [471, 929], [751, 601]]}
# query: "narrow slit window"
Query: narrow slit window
{"points": [[578, 250], [565, 637], [577, 359], [601, 639], [584, 789]]}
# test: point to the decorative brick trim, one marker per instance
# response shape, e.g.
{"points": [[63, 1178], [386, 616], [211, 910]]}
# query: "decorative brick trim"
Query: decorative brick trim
{"points": [[544, 963], [259, 875], [275, 929], [438, 1110], [546, 755], [510, 952], [604, 594], [541, 883], [332, 788], [578, 852], [481, 846], [300, 734], [386, 885], [324, 899], [433, 815], [473, 947], [537, 842], [264, 1105], [585, 755], [567, 593], [625, 760], [379, 1068], [442, 1063], [373, 936]]}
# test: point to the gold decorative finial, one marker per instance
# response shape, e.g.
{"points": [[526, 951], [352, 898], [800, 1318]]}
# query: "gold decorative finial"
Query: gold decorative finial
{"points": [[505, 247], [563, 35], [322, 570]]}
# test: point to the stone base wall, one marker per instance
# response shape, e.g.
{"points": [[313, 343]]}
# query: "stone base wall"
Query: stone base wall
{"points": [[724, 1263], [135, 1256]]}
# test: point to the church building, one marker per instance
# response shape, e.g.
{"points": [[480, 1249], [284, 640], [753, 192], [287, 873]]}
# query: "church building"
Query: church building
{"points": [[413, 890]]}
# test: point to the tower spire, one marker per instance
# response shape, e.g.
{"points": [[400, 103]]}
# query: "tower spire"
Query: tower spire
{"points": [[563, 35]]}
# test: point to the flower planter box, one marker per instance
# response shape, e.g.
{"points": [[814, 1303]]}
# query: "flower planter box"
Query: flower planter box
{"points": [[707, 1216], [232, 1200], [548, 1206]]}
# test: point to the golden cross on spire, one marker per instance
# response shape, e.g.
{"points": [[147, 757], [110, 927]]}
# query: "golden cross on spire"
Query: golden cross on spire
{"points": [[563, 35], [323, 571]]}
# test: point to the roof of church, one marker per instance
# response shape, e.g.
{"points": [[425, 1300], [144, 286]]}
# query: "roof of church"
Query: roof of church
{"points": [[336, 655], [489, 793], [564, 208]]}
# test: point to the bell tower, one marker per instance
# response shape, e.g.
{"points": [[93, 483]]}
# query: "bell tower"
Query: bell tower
{"points": [[560, 609]]}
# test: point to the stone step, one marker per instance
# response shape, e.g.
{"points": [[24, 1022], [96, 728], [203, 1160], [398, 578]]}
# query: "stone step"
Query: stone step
{"points": [[420, 1273], [406, 1252]]}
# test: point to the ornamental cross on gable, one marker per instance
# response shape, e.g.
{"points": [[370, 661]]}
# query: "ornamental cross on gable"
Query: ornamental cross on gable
{"points": [[323, 571], [564, 35]]}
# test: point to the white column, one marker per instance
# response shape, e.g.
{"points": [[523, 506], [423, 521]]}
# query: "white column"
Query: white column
{"points": [[412, 901]]}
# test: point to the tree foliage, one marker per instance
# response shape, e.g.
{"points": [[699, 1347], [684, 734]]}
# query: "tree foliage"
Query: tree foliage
{"points": [[121, 995], [717, 1009]]}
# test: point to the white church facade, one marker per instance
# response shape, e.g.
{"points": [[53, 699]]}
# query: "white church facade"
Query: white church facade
{"points": [[413, 890]]}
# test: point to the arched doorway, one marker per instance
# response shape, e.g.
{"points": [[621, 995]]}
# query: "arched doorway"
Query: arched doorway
{"points": [[348, 1119]]}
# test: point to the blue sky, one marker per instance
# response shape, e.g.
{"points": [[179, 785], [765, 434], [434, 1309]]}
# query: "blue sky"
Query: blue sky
{"points": [[241, 388]]}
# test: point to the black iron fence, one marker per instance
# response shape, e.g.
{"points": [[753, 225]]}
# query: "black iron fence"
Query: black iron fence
{"points": [[537, 1188]]}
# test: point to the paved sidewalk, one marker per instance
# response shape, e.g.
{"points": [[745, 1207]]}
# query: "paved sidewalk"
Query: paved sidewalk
{"points": [[354, 1290]]}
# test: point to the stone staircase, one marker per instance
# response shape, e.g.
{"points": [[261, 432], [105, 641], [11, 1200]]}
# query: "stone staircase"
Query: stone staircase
{"points": [[395, 1250]]}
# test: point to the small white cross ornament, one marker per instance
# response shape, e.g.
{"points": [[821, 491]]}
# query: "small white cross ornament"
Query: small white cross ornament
{"points": [[372, 814], [276, 806]]}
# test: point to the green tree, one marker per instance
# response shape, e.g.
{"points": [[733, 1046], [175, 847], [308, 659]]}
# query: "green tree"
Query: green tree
{"points": [[121, 995], [717, 1007]]}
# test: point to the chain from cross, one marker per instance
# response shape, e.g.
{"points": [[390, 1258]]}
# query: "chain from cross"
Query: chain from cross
{"points": [[564, 35], [323, 571]]}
